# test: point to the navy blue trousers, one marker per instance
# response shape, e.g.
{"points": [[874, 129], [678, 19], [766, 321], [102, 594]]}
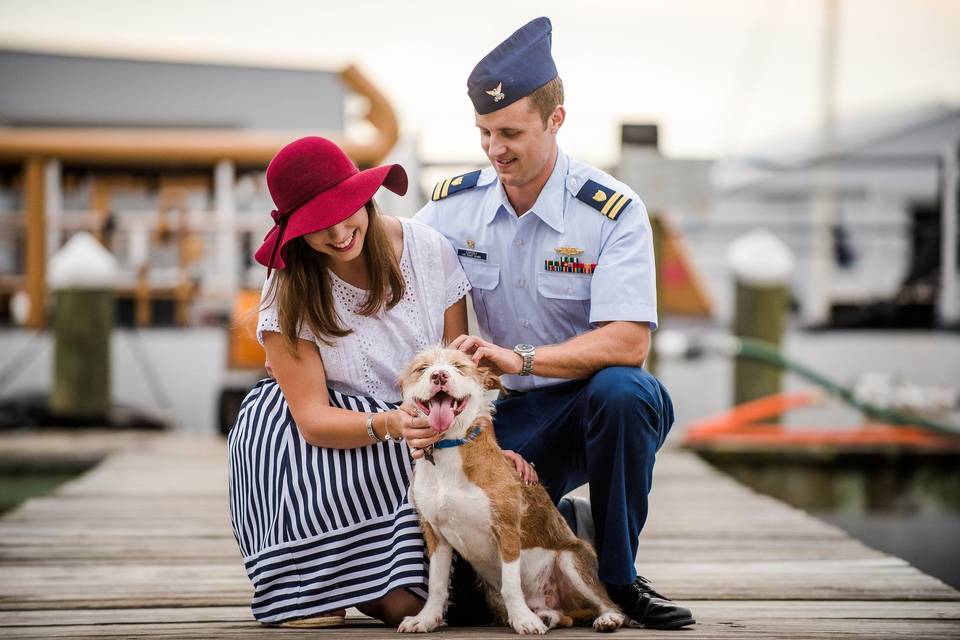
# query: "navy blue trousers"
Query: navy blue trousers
{"points": [[604, 430]]}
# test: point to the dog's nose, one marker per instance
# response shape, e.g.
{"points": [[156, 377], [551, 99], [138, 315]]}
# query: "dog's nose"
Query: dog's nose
{"points": [[439, 377]]}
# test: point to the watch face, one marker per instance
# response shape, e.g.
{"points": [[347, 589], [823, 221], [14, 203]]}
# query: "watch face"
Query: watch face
{"points": [[524, 347]]}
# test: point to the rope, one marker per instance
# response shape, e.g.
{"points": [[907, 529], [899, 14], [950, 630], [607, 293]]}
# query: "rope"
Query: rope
{"points": [[752, 349], [26, 353]]}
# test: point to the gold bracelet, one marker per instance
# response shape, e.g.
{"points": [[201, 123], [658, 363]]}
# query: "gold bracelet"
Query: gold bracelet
{"points": [[386, 428], [370, 431]]}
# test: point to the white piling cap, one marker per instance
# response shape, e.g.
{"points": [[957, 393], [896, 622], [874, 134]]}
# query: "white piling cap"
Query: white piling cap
{"points": [[82, 263], [760, 258]]}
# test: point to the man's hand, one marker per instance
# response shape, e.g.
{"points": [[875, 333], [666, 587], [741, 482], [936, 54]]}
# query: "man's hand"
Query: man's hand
{"points": [[487, 354], [526, 470], [414, 429]]}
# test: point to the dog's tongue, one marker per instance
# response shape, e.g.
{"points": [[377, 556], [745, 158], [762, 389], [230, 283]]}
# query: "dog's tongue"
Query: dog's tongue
{"points": [[441, 412]]}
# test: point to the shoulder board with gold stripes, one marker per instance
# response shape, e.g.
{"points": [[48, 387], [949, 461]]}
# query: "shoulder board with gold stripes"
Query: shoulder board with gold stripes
{"points": [[605, 200], [455, 184]]}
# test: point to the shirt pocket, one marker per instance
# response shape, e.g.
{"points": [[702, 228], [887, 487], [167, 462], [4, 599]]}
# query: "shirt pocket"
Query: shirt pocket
{"points": [[485, 282], [565, 298], [482, 275], [564, 286]]}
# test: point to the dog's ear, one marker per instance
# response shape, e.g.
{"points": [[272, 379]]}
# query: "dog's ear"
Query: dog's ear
{"points": [[490, 379]]}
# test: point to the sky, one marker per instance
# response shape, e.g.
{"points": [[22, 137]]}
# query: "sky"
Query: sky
{"points": [[720, 77]]}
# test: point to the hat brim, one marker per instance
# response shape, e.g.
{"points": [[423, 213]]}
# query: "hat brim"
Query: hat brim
{"points": [[331, 207]]}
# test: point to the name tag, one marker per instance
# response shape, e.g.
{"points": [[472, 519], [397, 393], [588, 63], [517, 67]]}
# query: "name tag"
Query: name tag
{"points": [[469, 253]]}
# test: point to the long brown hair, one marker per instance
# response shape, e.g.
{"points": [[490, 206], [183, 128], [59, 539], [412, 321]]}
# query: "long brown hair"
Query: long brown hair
{"points": [[302, 290]]}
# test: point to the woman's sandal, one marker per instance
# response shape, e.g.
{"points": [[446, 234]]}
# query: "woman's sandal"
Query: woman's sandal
{"points": [[323, 621]]}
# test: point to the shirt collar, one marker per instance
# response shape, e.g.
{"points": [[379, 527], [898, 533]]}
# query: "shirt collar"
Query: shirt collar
{"points": [[549, 204]]}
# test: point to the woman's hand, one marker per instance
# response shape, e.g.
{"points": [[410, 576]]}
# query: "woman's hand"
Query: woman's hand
{"points": [[414, 429], [487, 354], [524, 468]]}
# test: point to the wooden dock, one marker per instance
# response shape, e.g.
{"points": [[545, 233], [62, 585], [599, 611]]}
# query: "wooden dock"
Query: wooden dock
{"points": [[141, 546]]}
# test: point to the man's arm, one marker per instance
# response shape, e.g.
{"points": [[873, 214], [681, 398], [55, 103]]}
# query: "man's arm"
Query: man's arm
{"points": [[619, 343]]}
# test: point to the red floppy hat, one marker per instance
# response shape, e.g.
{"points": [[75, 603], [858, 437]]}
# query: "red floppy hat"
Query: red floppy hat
{"points": [[314, 186]]}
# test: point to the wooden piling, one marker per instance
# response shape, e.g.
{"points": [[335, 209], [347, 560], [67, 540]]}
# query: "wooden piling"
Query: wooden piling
{"points": [[82, 323], [760, 313], [761, 265], [82, 275]]}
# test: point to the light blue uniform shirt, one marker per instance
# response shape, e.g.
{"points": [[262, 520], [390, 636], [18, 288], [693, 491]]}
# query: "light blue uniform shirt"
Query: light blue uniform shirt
{"points": [[516, 298]]}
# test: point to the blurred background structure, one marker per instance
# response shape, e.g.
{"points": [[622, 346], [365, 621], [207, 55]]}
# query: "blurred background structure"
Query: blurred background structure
{"points": [[833, 125]]}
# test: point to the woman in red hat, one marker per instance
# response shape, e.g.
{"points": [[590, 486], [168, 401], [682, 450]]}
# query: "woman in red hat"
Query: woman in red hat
{"points": [[318, 475]]}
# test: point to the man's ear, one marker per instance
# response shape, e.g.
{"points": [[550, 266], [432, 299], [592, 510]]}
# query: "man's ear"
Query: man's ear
{"points": [[556, 119], [490, 379]]}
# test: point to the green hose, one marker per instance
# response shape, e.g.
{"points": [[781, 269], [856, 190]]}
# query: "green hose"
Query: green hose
{"points": [[767, 353]]}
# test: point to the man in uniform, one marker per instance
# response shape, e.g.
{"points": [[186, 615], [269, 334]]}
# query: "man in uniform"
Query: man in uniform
{"points": [[560, 258]]}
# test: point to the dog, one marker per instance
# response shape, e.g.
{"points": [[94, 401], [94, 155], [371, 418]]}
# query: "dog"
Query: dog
{"points": [[537, 574]]}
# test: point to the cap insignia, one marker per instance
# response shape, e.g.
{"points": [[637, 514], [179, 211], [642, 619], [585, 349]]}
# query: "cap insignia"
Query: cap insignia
{"points": [[497, 93]]}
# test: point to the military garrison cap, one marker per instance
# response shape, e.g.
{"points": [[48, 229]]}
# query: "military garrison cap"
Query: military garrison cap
{"points": [[514, 69]]}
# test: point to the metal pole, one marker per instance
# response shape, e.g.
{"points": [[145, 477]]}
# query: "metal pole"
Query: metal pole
{"points": [[949, 306], [53, 201], [816, 302], [227, 240]]}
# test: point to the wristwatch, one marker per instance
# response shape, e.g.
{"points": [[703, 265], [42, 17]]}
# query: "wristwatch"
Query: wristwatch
{"points": [[526, 351]]}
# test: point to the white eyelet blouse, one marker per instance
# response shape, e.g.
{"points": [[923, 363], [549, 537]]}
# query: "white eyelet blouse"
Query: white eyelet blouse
{"points": [[368, 361]]}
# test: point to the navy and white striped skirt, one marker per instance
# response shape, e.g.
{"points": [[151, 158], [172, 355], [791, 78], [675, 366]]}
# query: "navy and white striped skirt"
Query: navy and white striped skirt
{"points": [[319, 529]]}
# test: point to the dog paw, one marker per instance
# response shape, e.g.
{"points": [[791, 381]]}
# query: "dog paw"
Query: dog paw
{"points": [[528, 624], [416, 624], [609, 621], [549, 617]]}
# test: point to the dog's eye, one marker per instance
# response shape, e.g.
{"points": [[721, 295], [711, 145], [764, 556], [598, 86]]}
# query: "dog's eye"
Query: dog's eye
{"points": [[421, 368], [459, 366]]}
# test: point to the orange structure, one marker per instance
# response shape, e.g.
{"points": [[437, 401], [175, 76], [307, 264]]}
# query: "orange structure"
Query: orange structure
{"points": [[740, 428]]}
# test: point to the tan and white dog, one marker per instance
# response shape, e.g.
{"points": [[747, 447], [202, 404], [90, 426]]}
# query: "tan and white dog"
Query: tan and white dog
{"points": [[538, 574]]}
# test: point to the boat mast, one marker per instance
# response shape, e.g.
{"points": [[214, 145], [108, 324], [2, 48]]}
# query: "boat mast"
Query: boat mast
{"points": [[816, 302]]}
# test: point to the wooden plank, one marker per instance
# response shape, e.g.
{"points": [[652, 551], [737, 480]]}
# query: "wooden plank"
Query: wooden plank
{"points": [[180, 583], [798, 628], [707, 611], [716, 619]]}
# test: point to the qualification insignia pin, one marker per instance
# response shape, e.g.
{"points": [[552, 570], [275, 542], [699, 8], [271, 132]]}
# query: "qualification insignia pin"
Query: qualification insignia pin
{"points": [[497, 93], [471, 244], [568, 251]]}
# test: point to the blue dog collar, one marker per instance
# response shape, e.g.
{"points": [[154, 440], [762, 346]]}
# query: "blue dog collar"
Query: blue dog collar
{"points": [[459, 442]]}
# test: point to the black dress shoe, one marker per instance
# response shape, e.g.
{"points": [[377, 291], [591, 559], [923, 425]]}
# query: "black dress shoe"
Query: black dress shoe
{"points": [[649, 608]]}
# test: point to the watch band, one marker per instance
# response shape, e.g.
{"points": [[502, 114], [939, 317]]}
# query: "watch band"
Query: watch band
{"points": [[527, 352]]}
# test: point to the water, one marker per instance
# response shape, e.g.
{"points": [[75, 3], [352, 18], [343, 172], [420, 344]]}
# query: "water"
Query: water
{"points": [[928, 541], [905, 504], [16, 486]]}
